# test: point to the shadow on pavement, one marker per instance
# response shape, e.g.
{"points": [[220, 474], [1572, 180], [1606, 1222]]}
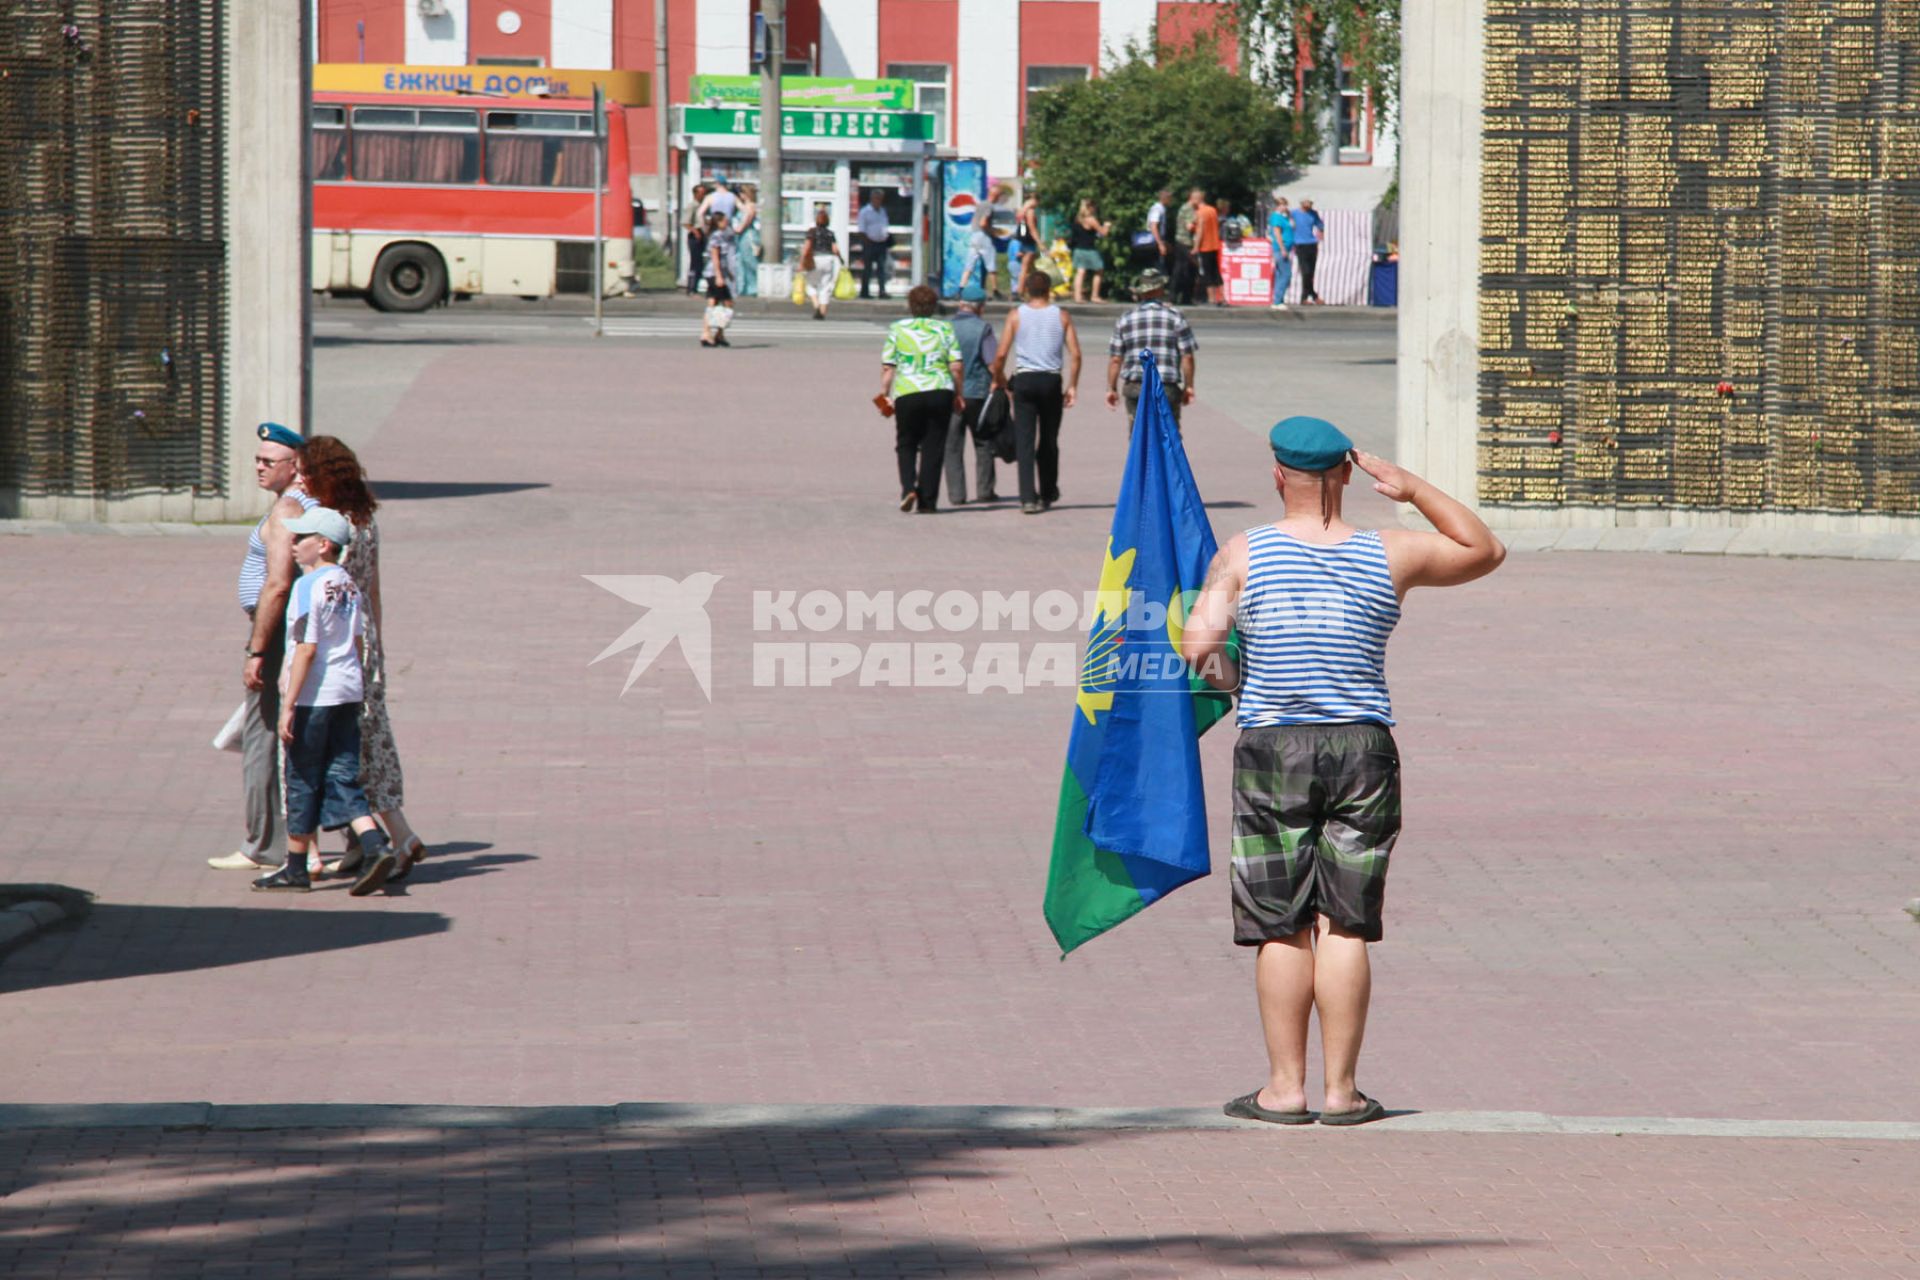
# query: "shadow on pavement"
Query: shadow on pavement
{"points": [[125, 941], [753, 1201], [400, 490], [442, 865]]}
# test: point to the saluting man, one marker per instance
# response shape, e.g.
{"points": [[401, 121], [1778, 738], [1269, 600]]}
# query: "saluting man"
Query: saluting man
{"points": [[1316, 805]]}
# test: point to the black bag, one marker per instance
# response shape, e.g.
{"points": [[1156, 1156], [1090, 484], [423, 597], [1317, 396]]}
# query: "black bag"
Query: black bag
{"points": [[996, 417]]}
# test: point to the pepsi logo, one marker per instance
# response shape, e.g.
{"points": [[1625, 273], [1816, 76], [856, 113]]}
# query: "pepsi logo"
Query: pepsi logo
{"points": [[960, 207]]}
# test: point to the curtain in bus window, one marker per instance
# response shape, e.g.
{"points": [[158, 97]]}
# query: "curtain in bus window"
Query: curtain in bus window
{"points": [[329, 154], [416, 157], [531, 160]]}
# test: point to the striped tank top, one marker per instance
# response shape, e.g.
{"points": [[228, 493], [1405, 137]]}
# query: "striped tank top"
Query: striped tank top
{"points": [[1314, 622], [1040, 343], [253, 570]]}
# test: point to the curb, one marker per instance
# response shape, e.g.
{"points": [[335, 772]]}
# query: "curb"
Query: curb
{"points": [[21, 922], [645, 1116]]}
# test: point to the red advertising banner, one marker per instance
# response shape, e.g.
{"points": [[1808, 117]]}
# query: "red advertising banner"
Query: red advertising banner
{"points": [[1246, 269]]}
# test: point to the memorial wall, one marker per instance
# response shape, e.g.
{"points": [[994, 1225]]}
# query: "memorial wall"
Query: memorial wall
{"points": [[1699, 275]]}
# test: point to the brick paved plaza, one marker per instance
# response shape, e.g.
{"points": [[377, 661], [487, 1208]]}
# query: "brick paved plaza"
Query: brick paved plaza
{"points": [[1658, 838]]}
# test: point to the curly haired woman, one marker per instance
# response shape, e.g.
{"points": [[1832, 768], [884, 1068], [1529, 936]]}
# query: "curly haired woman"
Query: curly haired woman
{"points": [[328, 467]]}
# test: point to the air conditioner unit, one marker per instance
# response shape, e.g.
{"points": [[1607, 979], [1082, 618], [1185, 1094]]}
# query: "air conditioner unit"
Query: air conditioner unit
{"points": [[433, 8]]}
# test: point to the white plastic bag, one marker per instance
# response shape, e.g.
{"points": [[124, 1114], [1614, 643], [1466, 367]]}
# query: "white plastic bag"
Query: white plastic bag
{"points": [[228, 739]]}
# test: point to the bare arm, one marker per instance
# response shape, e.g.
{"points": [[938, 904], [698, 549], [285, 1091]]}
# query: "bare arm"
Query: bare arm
{"points": [[1006, 345], [296, 679], [1113, 381], [1186, 376], [1204, 641], [1461, 549], [269, 612], [1073, 357]]}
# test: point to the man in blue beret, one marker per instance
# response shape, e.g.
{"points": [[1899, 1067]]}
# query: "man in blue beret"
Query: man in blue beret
{"points": [[266, 576], [978, 346], [1316, 773]]}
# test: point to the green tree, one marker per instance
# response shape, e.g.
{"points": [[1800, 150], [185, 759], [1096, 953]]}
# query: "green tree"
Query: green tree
{"points": [[1178, 120], [1332, 32]]}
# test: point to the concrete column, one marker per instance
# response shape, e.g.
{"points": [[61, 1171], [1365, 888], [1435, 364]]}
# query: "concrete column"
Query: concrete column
{"points": [[988, 85], [438, 41], [1441, 61], [266, 118], [850, 37], [1124, 20], [582, 35], [723, 38]]}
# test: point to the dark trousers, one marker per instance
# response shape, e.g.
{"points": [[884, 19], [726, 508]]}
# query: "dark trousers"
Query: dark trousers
{"points": [[1176, 397], [874, 261], [696, 260], [260, 757], [920, 442], [1038, 402], [958, 428], [323, 769], [1180, 273], [1308, 257]]}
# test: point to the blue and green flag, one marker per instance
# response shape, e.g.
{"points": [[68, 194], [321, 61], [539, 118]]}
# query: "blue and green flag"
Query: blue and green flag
{"points": [[1132, 823]]}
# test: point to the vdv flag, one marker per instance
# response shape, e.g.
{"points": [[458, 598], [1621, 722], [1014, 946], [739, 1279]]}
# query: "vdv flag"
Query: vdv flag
{"points": [[1132, 823]]}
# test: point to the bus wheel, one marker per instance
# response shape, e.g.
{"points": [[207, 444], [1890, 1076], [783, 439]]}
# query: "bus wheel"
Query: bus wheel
{"points": [[408, 277]]}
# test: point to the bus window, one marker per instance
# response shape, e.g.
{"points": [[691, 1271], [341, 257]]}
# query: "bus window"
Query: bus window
{"points": [[539, 149], [409, 144], [329, 135]]}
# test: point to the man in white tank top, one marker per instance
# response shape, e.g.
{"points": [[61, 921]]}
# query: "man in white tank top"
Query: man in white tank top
{"points": [[1316, 772]]}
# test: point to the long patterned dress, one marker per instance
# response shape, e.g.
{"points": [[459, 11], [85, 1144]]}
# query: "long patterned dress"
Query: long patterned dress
{"points": [[379, 757]]}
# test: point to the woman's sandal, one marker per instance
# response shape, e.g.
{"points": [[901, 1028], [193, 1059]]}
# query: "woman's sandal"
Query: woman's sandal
{"points": [[415, 851]]}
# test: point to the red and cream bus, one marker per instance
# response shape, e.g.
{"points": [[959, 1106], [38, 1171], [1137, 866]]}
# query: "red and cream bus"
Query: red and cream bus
{"points": [[419, 199]]}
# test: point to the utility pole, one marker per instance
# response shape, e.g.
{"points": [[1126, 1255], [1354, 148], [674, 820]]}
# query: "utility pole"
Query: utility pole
{"points": [[660, 92], [599, 210], [774, 15]]}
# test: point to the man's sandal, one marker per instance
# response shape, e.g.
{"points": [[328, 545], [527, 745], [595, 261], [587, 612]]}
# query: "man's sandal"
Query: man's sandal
{"points": [[1368, 1110], [1247, 1107]]}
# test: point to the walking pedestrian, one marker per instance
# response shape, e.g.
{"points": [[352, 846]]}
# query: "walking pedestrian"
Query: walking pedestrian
{"points": [[331, 474], [1184, 266], [1206, 246], [1280, 239], [982, 256], [266, 579], [1316, 772], [746, 239], [820, 262], [1026, 239], [1157, 224], [1084, 240], [320, 709], [696, 225], [977, 344], [1040, 340], [1151, 326], [1307, 229], [920, 369], [724, 267], [876, 242]]}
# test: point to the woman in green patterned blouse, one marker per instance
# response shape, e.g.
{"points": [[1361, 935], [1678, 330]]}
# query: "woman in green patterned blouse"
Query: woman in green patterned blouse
{"points": [[920, 370]]}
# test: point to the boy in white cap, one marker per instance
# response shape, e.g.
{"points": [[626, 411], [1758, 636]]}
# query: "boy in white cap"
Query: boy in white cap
{"points": [[320, 708]]}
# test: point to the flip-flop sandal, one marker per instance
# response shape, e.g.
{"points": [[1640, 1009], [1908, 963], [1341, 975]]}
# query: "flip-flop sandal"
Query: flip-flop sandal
{"points": [[1247, 1107], [1369, 1109]]}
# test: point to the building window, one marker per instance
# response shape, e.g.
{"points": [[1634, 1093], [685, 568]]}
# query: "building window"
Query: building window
{"points": [[1350, 119], [509, 62], [1040, 79], [929, 92], [796, 67]]}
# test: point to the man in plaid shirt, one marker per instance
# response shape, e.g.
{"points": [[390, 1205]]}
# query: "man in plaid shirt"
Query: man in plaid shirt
{"points": [[1157, 327]]}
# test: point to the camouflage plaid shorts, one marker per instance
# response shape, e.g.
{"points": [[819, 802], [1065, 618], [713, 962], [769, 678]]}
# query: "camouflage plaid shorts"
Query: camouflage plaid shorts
{"points": [[1316, 809]]}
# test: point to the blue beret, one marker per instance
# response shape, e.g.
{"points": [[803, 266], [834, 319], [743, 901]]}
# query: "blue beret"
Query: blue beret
{"points": [[281, 435], [1308, 444], [973, 293]]}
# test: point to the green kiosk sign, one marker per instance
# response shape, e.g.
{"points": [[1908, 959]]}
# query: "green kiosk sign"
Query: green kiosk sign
{"points": [[744, 122], [817, 92]]}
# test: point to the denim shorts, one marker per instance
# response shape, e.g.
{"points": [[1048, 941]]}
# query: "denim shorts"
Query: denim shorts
{"points": [[323, 769]]}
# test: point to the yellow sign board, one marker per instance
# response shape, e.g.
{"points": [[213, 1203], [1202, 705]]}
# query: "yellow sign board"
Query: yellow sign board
{"points": [[631, 88]]}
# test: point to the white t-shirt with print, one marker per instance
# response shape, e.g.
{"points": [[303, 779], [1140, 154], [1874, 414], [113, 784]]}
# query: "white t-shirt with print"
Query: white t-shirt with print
{"points": [[323, 610]]}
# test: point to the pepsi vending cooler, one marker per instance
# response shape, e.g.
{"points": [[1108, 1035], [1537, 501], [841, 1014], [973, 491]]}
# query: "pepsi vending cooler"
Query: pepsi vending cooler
{"points": [[960, 186]]}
